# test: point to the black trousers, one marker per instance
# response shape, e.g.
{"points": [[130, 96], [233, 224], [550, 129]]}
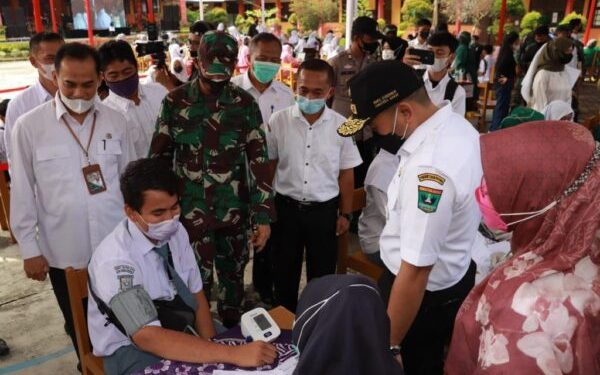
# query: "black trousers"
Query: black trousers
{"points": [[297, 228], [58, 280], [262, 273], [424, 345]]}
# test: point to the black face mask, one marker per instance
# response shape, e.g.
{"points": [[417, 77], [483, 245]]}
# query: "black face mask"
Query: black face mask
{"points": [[566, 58], [178, 69], [424, 34], [369, 48], [389, 142]]}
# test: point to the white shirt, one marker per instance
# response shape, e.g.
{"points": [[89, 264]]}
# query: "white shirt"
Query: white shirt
{"points": [[418, 45], [275, 98], [485, 67], [51, 210], [27, 100], [372, 219], [436, 94], [124, 259], [433, 216], [142, 118], [310, 156]]}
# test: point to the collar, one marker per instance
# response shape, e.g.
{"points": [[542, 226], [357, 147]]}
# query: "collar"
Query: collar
{"points": [[247, 85], [62, 110], [122, 102], [325, 116], [427, 80], [139, 239], [41, 92], [423, 130]]}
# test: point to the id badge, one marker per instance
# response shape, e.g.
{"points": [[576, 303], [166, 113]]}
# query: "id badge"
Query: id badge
{"points": [[94, 179]]}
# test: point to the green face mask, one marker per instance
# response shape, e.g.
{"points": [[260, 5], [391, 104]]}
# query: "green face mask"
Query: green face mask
{"points": [[264, 72]]}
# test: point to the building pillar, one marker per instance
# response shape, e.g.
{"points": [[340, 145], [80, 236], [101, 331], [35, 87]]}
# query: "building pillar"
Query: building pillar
{"points": [[183, 12], [502, 22], [590, 21], [241, 7], [279, 9], [37, 16], [569, 6], [90, 22], [53, 16], [381, 9], [396, 12]]}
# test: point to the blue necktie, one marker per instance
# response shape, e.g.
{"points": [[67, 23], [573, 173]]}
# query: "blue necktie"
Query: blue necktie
{"points": [[182, 289]]}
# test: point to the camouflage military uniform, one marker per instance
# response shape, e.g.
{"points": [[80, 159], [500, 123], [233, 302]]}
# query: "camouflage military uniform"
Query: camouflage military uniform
{"points": [[209, 141]]}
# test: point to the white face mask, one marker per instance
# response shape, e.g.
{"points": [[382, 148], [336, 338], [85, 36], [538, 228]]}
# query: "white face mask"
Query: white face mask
{"points": [[78, 105], [387, 54], [439, 64], [164, 230], [47, 70]]}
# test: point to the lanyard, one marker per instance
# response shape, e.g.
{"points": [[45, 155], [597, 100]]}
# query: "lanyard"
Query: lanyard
{"points": [[87, 148]]}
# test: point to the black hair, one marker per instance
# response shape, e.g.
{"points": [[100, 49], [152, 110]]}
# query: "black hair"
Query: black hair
{"points": [[116, 50], [488, 48], [264, 38], [541, 30], [143, 175], [317, 65], [441, 27], [42, 37], [423, 22], [563, 28], [76, 51], [200, 27], [441, 39], [506, 51], [573, 23], [3, 107]]}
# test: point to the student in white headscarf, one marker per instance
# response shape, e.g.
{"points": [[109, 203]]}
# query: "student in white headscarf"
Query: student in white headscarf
{"points": [[559, 110], [293, 40], [221, 26], [233, 31]]}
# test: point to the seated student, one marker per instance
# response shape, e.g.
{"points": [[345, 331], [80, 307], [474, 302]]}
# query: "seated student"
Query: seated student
{"points": [[149, 254], [439, 84], [341, 328], [140, 104]]}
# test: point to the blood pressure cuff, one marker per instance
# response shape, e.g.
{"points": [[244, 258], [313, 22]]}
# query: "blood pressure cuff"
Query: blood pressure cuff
{"points": [[133, 308]]}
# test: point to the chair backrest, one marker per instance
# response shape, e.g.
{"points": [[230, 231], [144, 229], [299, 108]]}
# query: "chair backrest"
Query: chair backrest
{"points": [[359, 200], [77, 282]]}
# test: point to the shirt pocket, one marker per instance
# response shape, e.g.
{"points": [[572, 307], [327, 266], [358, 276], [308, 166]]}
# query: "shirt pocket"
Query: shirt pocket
{"points": [[107, 154], [51, 166]]}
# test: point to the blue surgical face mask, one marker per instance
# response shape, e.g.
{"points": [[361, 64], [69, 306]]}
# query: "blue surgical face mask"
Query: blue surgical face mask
{"points": [[310, 106]]}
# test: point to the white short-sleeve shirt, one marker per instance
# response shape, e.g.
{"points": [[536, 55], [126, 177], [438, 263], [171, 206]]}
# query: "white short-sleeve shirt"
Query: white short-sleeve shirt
{"points": [[432, 213], [310, 157], [125, 258], [437, 93]]}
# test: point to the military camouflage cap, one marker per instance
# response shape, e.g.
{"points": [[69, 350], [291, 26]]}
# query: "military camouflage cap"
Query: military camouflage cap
{"points": [[218, 45]]}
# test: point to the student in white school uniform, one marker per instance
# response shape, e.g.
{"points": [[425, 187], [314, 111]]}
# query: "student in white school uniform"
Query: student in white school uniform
{"points": [[150, 249], [314, 182], [42, 50], [439, 84], [139, 103], [433, 217], [271, 96], [67, 157]]}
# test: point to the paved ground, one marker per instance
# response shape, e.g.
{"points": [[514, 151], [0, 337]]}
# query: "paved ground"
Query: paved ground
{"points": [[15, 74]]}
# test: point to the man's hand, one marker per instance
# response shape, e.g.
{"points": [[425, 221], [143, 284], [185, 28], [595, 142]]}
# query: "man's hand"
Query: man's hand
{"points": [[255, 354], [412, 60], [261, 235], [341, 226], [164, 77], [36, 268]]}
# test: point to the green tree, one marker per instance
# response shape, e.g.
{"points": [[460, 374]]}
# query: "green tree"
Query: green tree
{"points": [[363, 8], [412, 11], [311, 13], [530, 22], [574, 15], [216, 15], [515, 10]]}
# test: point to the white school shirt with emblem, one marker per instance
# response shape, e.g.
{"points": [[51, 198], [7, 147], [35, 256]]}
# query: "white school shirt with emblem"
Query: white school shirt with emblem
{"points": [[51, 211], [125, 258], [437, 93], [445, 145], [310, 157], [27, 100], [142, 118], [275, 98]]}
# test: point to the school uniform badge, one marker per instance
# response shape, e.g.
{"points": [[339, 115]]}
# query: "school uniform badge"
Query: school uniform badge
{"points": [[429, 199]]}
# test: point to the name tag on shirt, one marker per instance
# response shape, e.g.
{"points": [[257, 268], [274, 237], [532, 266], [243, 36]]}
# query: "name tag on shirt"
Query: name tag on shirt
{"points": [[94, 180]]}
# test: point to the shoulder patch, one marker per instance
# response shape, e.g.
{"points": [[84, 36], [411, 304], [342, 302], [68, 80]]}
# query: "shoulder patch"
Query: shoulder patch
{"points": [[431, 177], [429, 199]]}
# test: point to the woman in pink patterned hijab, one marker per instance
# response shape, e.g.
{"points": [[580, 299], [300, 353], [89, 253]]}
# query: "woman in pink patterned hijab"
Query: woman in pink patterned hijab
{"points": [[539, 312]]}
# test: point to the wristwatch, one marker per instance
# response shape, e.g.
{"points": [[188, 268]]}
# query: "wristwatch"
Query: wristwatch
{"points": [[395, 349], [347, 216]]}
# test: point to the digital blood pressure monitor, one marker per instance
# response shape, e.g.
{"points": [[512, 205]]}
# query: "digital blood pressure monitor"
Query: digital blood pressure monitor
{"points": [[258, 325]]}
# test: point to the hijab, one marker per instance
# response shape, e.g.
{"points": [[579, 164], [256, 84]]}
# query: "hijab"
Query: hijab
{"points": [[557, 109], [555, 56], [538, 312], [342, 328]]}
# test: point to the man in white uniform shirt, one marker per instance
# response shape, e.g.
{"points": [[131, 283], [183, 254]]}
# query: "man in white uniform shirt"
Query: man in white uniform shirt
{"points": [[59, 214], [314, 182], [423, 28], [439, 84], [271, 96], [42, 50], [151, 249], [432, 213], [139, 104]]}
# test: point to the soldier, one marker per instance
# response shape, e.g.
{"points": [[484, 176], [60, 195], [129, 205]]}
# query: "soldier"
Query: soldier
{"points": [[209, 128]]}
